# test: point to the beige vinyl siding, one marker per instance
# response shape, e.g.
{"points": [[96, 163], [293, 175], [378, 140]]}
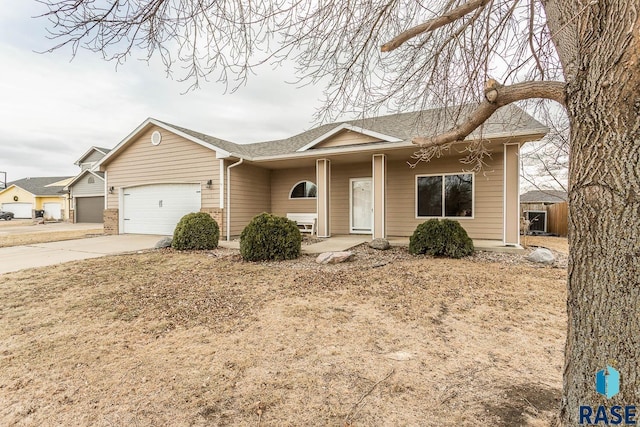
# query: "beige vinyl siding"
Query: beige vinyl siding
{"points": [[250, 195], [83, 188], [488, 199], [340, 209], [282, 182], [175, 160], [347, 137]]}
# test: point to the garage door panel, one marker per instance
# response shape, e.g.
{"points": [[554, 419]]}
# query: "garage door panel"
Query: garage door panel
{"points": [[52, 210], [156, 209], [90, 209], [20, 210]]}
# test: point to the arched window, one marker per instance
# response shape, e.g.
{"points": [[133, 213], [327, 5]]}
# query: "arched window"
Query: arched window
{"points": [[303, 190], [91, 180]]}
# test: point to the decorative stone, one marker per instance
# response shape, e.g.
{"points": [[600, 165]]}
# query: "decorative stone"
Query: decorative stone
{"points": [[333, 257], [164, 243], [541, 255], [380, 244]]}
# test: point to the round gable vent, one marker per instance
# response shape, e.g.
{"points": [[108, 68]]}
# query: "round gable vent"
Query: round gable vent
{"points": [[156, 138]]}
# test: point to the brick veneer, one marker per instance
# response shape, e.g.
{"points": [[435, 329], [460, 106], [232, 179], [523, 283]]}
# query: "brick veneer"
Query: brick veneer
{"points": [[111, 221], [218, 215]]}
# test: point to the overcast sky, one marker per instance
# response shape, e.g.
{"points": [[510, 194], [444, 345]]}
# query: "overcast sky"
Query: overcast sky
{"points": [[53, 109]]}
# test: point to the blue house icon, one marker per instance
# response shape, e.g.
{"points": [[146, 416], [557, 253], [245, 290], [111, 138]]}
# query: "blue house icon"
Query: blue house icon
{"points": [[608, 382]]}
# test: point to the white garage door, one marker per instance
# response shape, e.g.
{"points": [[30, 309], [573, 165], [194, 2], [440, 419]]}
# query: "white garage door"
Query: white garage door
{"points": [[52, 210], [156, 209], [20, 210]]}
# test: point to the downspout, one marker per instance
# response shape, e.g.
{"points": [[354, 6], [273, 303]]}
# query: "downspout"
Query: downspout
{"points": [[228, 213]]}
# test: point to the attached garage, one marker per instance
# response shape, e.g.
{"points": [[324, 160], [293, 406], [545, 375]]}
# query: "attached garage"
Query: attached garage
{"points": [[157, 208], [20, 210], [52, 210], [89, 209]]}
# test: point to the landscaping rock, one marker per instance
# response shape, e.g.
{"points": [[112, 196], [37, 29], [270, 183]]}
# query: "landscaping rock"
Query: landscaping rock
{"points": [[380, 244], [164, 243], [333, 257], [541, 255]]}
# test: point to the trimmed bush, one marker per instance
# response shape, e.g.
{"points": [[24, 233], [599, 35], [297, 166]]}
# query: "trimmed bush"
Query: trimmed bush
{"points": [[441, 238], [196, 231], [270, 238]]}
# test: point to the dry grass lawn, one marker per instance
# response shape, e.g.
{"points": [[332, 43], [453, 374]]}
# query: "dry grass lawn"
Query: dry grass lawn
{"points": [[195, 339], [40, 237], [558, 244]]}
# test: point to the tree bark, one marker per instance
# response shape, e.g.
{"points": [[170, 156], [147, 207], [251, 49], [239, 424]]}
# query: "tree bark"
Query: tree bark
{"points": [[603, 104]]}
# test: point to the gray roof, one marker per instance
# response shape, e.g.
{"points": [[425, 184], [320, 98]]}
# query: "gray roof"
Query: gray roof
{"points": [[38, 185], [404, 126], [544, 196], [228, 146]]}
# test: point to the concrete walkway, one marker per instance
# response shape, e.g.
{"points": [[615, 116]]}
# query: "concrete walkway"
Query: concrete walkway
{"points": [[42, 254]]}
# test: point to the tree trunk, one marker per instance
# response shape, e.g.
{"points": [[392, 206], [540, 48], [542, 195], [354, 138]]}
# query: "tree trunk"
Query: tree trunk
{"points": [[603, 103]]}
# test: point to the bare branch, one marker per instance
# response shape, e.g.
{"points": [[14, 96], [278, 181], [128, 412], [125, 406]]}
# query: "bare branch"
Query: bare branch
{"points": [[496, 96], [433, 24]]}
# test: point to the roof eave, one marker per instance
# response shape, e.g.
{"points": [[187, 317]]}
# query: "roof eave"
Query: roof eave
{"points": [[529, 135], [144, 125], [80, 175]]}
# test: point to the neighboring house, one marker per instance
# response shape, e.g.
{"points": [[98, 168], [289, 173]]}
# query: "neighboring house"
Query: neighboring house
{"points": [[24, 196], [546, 210], [352, 176], [87, 189]]}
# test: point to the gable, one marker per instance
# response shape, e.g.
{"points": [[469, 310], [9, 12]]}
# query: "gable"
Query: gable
{"points": [[7, 195], [347, 137], [157, 130], [92, 155]]}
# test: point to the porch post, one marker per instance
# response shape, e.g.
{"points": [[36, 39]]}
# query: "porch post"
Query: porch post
{"points": [[323, 197], [379, 181], [511, 194]]}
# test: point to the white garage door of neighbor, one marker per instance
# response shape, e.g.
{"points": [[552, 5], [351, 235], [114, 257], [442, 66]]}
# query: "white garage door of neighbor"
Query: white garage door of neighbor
{"points": [[156, 209], [52, 210], [20, 210]]}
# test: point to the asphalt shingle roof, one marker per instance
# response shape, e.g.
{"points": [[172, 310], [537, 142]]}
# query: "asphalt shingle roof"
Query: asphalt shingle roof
{"points": [[38, 185], [544, 196], [403, 126]]}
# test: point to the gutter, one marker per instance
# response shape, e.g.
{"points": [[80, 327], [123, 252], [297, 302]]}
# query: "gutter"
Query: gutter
{"points": [[228, 213]]}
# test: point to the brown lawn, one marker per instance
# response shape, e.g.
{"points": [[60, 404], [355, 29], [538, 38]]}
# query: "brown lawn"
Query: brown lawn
{"points": [[195, 339]]}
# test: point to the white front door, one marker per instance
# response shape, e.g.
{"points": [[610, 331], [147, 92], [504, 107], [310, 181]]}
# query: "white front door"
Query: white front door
{"points": [[361, 196], [157, 208]]}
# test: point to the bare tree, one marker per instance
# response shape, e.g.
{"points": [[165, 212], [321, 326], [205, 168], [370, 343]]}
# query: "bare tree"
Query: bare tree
{"points": [[545, 163], [583, 54]]}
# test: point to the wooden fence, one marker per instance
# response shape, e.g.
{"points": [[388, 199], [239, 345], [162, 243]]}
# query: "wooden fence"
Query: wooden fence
{"points": [[557, 219]]}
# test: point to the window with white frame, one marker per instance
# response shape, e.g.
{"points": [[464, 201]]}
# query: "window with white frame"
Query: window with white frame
{"points": [[303, 190], [444, 195]]}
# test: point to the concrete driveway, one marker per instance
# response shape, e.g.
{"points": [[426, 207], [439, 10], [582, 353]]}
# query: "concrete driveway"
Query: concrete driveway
{"points": [[42, 254]]}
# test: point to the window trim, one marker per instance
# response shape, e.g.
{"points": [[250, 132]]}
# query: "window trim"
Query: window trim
{"points": [[443, 175], [302, 198]]}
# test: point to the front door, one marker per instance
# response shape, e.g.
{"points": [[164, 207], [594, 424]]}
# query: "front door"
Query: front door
{"points": [[361, 196]]}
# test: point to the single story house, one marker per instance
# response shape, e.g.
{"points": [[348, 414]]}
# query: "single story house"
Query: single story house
{"points": [[87, 189], [352, 177], [24, 196]]}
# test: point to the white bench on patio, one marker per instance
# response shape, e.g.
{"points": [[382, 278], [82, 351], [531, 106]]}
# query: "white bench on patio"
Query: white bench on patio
{"points": [[306, 221]]}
